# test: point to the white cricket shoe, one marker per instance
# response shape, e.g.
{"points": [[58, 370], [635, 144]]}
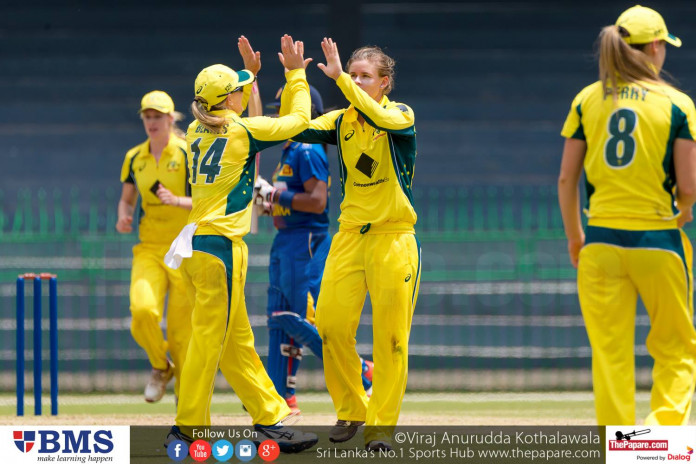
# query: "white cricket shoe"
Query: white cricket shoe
{"points": [[155, 388]]}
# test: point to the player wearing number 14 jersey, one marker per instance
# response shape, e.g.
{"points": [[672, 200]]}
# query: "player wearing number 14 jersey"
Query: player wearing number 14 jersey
{"points": [[222, 151], [634, 135]]}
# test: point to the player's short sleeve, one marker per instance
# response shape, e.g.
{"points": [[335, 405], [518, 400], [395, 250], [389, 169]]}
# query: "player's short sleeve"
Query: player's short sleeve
{"points": [[321, 129], [312, 162], [684, 117], [127, 176], [572, 128]]}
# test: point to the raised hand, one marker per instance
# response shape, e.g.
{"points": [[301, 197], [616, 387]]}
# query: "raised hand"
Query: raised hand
{"points": [[292, 53], [252, 59], [333, 67]]}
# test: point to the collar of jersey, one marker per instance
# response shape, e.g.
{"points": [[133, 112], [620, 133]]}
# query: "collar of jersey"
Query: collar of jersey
{"points": [[225, 113], [167, 150], [351, 114]]}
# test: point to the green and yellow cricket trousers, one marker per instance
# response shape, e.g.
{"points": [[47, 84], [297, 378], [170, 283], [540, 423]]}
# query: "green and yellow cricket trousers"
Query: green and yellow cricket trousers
{"points": [[616, 266], [221, 337], [387, 265], [151, 282]]}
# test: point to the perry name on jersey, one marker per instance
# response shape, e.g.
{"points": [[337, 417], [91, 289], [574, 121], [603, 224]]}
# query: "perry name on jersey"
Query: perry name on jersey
{"points": [[629, 169]]}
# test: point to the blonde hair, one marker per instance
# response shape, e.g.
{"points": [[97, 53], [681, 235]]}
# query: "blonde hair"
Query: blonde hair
{"points": [[385, 64], [210, 121], [175, 129], [617, 59]]}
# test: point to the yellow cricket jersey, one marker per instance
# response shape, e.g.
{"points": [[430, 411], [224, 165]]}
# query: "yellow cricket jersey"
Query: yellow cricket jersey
{"points": [[159, 223], [376, 159], [629, 169], [223, 168]]}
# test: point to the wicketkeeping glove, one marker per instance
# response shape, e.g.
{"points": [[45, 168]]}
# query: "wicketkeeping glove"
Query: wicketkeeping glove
{"points": [[263, 197]]}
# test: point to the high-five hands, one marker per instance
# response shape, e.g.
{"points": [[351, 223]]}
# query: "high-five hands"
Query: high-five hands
{"points": [[252, 59], [292, 54], [333, 67]]}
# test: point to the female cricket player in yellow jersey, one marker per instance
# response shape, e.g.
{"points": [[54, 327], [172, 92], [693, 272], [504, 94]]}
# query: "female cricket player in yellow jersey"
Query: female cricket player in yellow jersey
{"points": [[634, 134], [156, 170], [222, 153], [375, 249]]}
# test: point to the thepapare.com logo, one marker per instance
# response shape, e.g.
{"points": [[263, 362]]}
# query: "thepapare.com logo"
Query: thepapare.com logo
{"points": [[64, 441]]}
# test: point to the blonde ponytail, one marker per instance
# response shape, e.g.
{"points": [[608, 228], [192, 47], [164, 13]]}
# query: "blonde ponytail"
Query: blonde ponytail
{"points": [[175, 129], [210, 121], [619, 60]]}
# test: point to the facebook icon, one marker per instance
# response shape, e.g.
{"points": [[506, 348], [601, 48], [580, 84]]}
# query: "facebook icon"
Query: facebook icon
{"points": [[177, 450]]}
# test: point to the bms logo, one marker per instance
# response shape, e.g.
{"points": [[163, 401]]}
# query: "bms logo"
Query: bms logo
{"points": [[65, 441], [24, 441]]}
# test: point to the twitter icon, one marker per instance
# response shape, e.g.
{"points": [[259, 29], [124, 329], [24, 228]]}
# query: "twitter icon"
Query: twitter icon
{"points": [[223, 450]]}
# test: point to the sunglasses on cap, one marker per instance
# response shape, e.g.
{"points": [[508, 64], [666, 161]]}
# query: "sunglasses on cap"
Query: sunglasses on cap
{"points": [[238, 89]]}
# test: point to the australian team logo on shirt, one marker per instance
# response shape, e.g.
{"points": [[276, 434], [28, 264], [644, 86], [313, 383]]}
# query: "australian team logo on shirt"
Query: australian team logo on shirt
{"points": [[173, 166]]}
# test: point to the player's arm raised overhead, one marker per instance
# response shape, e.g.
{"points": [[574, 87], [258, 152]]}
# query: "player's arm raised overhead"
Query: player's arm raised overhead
{"points": [[266, 131], [252, 62], [393, 117]]}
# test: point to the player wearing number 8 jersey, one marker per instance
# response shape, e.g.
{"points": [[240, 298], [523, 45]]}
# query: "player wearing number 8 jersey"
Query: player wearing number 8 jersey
{"points": [[634, 135]]}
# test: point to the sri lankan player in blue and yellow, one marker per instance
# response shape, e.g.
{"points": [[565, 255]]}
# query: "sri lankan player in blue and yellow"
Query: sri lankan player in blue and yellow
{"points": [[222, 152], [634, 135], [298, 201], [375, 248], [156, 170]]}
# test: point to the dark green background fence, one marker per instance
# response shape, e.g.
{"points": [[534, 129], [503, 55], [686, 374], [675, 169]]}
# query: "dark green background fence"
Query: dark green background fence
{"points": [[497, 308]]}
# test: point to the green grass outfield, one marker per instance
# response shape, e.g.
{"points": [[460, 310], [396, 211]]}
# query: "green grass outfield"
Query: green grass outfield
{"points": [[546, 408]]}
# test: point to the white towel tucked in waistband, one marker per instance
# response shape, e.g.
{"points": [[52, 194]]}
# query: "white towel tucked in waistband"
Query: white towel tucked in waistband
{"points": [[181, 247]]}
